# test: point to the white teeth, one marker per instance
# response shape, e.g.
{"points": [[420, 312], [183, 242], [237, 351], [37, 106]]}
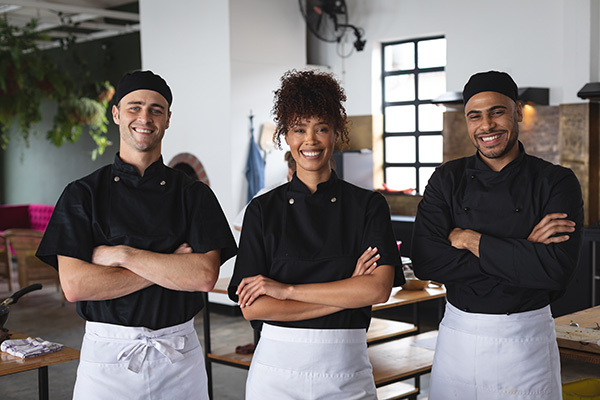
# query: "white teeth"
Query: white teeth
{"points": [[311, 153], [487, 139], [143, 130]]}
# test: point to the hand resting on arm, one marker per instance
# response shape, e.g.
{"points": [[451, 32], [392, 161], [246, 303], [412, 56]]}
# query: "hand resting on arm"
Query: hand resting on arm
{"points": [[264, 298]]}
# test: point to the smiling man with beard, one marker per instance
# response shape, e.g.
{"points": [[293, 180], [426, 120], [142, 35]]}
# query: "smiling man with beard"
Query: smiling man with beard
{"points": [[502, 230], [135, 243]]}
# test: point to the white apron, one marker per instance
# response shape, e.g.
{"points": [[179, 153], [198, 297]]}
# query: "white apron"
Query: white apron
{"points": [[310, 364], [120, 362], [496, 357]]}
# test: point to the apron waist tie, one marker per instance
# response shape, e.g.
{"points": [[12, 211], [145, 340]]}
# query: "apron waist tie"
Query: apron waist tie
{"points": [[136, 352]]}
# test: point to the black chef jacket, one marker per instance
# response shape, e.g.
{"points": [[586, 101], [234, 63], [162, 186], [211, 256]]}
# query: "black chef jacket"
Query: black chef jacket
{"points": [[158, 212], [512, 274], [295, 237]]}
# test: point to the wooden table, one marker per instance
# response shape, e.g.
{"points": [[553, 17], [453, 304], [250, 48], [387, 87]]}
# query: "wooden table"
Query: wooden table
{"points": [[580, 343], [12, 365]]}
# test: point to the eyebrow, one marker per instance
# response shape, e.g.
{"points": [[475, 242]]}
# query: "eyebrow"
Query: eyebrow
{"points": [[489, 109], [142, 103], [303, 124]]}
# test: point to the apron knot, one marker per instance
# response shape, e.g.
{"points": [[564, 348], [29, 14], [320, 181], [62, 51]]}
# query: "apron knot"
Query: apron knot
{"points": [[136, 352]]}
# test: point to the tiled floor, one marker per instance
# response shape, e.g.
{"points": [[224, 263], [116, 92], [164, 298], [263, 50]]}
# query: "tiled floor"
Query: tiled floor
{"points": [[41, 314]]}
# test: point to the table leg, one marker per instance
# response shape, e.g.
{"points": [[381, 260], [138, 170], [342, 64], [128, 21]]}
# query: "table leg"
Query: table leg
{"points": [[416, 318], [43, 383], [207, 345]]}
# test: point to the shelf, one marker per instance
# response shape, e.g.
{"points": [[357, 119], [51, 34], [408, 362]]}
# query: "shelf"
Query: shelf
{"points": [[400, 359], [396, 391], [384, 329], [226, 356]]}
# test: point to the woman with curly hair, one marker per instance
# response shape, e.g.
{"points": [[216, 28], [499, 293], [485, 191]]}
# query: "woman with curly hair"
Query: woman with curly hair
{"points": [[314, 255]]}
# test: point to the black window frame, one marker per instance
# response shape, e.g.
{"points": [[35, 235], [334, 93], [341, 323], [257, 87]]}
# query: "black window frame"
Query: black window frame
{"points": [[417, 165]]}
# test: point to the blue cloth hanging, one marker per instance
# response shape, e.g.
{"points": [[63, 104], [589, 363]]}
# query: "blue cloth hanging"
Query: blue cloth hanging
{"points": [[255, 168]]}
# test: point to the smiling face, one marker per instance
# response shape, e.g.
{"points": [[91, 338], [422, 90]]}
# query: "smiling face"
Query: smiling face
{"points": [[143, 117], [311, 142], [493, 125]]}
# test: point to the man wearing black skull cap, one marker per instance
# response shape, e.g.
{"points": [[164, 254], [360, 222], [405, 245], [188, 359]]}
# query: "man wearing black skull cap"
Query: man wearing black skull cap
{"points": [[135, 243], [502, 230]]}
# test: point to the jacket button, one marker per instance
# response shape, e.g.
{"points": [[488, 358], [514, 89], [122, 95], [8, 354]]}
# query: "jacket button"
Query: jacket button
{"points": [[291, 201], [466, 209], [517, 209]]}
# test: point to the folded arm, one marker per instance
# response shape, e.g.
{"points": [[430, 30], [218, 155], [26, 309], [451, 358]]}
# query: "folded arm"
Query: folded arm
{"points": [[107, 276], [261, 298], [355, 292], [543, 260], [81, 281], [191, 272], [433, 256], [267, 308]]}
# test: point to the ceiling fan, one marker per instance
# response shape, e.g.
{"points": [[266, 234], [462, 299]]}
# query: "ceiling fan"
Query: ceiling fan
{"points": [[328, 20]]}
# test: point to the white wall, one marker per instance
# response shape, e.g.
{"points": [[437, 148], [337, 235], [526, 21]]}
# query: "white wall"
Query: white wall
{"points": [[187, 43], [541, 43]]}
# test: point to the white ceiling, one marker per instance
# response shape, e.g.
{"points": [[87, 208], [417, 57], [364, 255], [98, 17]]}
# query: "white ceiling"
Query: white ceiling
{"points": [[85, 19]]}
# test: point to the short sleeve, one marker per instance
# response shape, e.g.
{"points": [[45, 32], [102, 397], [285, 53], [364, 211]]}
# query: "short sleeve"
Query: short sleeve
{"points": [[208, 228], [251, 259], [69, 232]]}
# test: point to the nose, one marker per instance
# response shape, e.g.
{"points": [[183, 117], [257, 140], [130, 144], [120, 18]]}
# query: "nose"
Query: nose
{"points": [[311, 136], [145, 116], [487, 123]]}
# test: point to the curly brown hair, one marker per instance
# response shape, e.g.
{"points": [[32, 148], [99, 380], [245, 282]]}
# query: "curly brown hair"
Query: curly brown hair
{"points": [[305, 94]]}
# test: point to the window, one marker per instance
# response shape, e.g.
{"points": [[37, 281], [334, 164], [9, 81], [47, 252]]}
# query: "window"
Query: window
{"points": [[413, 75]]}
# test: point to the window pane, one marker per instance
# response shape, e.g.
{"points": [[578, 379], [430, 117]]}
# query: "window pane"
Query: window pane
{"points": [[432, 53], [431, 149], [400, 88], [400, 178], [400, 119], [424, 175], [431, 85], [400, 57], [400, 149], [431, 118]]}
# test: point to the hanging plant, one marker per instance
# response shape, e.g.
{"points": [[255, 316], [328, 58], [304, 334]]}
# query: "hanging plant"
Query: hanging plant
{"points": [[28, 75], [76, 112]]}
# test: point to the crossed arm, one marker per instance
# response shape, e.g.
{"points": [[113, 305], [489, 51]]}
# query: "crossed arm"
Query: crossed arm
{"points": [[116, 271], [543, 232], [265, 299]]}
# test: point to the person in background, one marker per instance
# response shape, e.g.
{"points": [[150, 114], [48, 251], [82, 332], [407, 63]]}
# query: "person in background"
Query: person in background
{"points": [[502, 230], [314, 255], [135, 243]]}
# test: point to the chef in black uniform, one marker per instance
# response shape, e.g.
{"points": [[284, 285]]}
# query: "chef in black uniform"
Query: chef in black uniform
{"points": [[135, 243], [502, 230], [314, 255]]}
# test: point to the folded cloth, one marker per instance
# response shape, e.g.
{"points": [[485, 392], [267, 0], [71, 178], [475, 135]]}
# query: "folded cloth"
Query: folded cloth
{"points": [[30, 347]]}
